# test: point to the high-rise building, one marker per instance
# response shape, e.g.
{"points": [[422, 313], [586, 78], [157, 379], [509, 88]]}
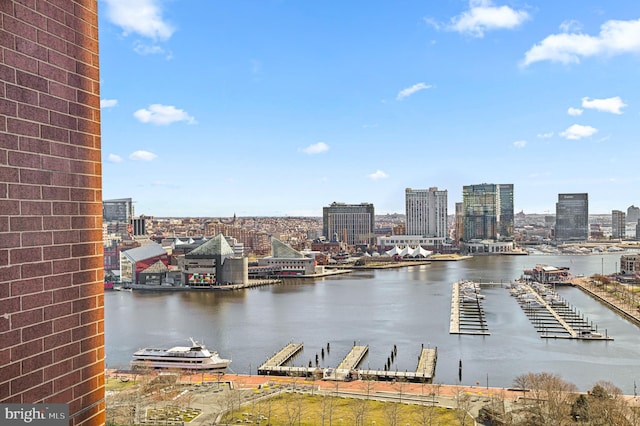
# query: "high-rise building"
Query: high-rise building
{"points": [[488, 211], [459, 222], [572, 217], [633, 214], [426, 212], [352, 224], [51, 272], [618, 223]]}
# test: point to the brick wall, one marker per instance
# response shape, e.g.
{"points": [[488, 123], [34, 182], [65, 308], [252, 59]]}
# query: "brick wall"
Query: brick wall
{"points": [[51, 290]]}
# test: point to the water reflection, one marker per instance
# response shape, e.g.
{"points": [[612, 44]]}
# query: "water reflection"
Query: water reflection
{"points": [[406, 307]]}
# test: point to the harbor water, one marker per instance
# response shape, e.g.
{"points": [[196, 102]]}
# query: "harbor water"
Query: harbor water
{"points": [[407, 307]]}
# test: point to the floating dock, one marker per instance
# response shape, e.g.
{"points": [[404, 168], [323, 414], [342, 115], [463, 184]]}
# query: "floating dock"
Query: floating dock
{"points": [[467, 313], [552, 316], [347, 370]]}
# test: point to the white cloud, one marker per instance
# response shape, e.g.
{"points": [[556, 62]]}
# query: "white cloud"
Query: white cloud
{"points": [[612, 105], [615, 38], [404, 93], [143, 17], [578, 131], [378, 174], [142, 156], [108, 103], [316, 148], [574, 111], [163, 114], [145, 49], [484, 16], [570, 26], [520, 144], [545, 135], [113, 158]]}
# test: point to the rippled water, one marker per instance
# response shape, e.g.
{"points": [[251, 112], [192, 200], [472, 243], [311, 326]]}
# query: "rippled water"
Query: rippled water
{"points": [[406, 307]]}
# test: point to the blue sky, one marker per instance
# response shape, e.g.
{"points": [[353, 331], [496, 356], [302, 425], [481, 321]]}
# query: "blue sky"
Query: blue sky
{"points": [[280, 107]]}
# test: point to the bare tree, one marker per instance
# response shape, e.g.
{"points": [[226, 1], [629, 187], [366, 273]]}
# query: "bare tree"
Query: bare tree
{"points": [[463, 405], [550, 399]]}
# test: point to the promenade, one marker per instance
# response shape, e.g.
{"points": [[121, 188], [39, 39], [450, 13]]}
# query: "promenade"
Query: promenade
{"points": [[618, 297]]}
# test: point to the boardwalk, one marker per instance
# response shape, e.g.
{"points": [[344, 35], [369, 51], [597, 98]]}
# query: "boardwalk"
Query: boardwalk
{"points": [[467, 314], [276, 362]]}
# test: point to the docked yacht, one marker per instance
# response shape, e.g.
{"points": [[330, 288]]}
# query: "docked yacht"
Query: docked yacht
{"points": [[194, 357]]}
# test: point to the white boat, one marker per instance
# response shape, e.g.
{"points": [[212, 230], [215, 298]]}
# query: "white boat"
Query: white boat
{"points": [[194, 357]]}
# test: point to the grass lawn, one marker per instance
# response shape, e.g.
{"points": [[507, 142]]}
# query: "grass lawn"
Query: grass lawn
{"points": [[308, 410]]}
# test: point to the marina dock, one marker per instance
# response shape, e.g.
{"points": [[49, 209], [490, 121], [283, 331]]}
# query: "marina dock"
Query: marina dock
{"points": [[552, 316], [467, 313]]}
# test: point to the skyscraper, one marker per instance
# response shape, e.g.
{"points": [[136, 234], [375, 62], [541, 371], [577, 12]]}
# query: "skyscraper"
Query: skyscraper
{"points": [[572, 217], [51, 276], [633, 214], [350, 223], [426, 212], [618, 223], [488, 211]]}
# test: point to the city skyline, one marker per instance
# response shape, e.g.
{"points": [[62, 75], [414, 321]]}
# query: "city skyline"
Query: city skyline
{"points": [[278, 109]]}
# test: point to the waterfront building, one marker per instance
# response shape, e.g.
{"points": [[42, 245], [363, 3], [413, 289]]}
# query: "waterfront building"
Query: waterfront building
{"points": [[633, 214], [51, 272], [630, 264], [618, 224], [426, 212], [135, 261], [438, 244], [285, 261], [213, 263], [488, 247], [487, 212], [572, 217], [352, 224]]}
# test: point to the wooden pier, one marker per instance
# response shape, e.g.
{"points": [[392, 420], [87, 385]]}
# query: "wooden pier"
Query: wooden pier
{"points": [[275, 364]]}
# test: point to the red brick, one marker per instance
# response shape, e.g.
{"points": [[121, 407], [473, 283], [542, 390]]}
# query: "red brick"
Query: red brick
{"points": [[21, 29], [80, 250], [25, 192], [82, 222], [31, 285], [25, 223], [66, 380], [56, 311], [36, 208], [4, 261], [7, 40], [37, 239], [81, 194], [84, 277], [56, 252], [62, 90], [9, 241], [37, 331], [38, 300], [69, 265], [10, 207], [66, 352], [56, 340], [32, 113], [46, 8], [66, 237], [91, 316], [65, 179], [9, 174], [36, 269], [9, 108], [38, 393], [31, 49], [23, 127], [25, 255], [21, 94], [58, 281], [53, 103], [66, 208], [36, 145], [25, 350], [26, 381], [9, 371], [56, 223], [37, 362], [70, 322], [29, 15], [93, 262], [93, 370], [68, 294], [55, 193], [54, 133], [25, 159], [91, 343], [9, 339]]}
